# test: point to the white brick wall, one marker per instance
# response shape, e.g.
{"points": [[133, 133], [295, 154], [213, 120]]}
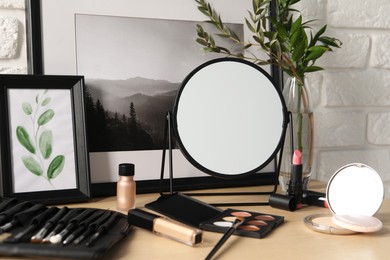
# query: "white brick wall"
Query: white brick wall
{"points": [[13, 54], [350, 100]]}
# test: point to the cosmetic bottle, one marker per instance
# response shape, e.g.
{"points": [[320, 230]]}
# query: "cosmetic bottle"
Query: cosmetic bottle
{"points": [[125, 189]]}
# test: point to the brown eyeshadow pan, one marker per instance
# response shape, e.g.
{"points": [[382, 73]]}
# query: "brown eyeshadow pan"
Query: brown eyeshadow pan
{"points": [[265, 217], [257, 222], [242, 214], [249, 228]]}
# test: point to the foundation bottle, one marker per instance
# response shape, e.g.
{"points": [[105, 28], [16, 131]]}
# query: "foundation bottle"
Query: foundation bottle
{"points": [[125, 189]]}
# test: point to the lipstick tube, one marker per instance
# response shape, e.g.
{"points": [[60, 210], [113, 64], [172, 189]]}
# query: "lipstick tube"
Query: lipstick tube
{"points": [[164, 227], [295, 185], [314, 198]]}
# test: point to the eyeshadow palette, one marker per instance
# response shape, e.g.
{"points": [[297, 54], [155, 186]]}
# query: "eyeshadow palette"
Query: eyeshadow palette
{"points": [[255, 224], [196, 213]]}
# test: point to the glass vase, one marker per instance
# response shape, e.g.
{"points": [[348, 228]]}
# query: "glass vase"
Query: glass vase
{"points": [[296, 95]]}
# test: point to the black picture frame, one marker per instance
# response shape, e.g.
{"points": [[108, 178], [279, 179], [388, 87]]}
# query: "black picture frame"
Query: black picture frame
{"points": [[33, 37], [35, 52], [66, 153]]}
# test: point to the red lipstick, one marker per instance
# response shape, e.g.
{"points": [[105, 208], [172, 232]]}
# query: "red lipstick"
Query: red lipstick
{"points": [[297, 158], [295, 185]]}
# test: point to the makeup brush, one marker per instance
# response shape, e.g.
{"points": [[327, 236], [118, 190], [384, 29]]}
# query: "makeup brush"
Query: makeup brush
{"points": [[237, 222], [73, 223], [38, 237]]}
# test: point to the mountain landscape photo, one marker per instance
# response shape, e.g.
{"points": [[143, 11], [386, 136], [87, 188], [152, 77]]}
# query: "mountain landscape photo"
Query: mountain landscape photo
{"points": [[128, 114]]}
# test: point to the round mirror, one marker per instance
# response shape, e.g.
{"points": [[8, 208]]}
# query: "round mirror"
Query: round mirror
{"points": [[229, 118], [355, 189]]}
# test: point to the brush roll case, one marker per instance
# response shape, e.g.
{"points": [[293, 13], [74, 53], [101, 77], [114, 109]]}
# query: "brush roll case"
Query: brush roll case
{"points": [[29, 218]]}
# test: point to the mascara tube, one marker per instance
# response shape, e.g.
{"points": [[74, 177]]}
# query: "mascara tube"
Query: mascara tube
{"points": [[164, 227]]}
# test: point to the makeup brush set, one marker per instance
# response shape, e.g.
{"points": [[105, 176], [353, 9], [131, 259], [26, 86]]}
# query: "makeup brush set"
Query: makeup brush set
{"points": [[37, 230]]}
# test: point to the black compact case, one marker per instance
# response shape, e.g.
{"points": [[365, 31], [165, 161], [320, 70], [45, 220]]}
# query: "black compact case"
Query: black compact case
{"points": [[184, 209], [198, 214]]}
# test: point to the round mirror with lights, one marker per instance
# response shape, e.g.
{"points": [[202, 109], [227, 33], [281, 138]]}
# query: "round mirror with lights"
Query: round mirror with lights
{"points": [[229, 118], [355, 189]]}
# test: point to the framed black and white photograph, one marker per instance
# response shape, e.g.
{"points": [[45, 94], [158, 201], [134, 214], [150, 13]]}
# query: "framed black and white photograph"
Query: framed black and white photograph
{"points": [[43, 138], [134, 58]]}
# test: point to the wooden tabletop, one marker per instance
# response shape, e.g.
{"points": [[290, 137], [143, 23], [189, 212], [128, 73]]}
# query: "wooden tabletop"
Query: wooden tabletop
{"points": [[291, 240]]}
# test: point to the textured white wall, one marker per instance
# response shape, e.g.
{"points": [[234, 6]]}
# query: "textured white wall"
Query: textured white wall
{"points": [[13, 54], [350, 99]]}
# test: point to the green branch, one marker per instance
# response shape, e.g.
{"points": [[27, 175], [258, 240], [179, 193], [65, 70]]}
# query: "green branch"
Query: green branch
{"points": [[288, 42]]}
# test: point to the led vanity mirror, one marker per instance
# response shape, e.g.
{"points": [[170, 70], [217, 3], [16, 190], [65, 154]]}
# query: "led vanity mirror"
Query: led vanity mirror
{"points": [[355, 189], [229, 118], [354, 194]]}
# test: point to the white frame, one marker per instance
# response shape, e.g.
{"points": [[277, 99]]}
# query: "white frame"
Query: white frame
{"points": [[59, 57]]}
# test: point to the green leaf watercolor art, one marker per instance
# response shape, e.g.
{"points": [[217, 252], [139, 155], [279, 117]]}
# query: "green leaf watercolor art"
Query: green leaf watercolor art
{"points": [[38, 139]]}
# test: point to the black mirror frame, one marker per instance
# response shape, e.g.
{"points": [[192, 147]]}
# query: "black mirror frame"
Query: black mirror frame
{"points": [[176, 126]]}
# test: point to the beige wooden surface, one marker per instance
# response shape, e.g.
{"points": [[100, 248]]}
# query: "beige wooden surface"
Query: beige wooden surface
{"points": [[291, 240]]}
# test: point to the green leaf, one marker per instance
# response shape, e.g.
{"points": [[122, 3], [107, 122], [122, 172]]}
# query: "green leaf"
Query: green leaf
{"points": [[257, 39], [203, 10], [330, 41], [202, 42], [56, 166], [249, 25], [216, 49], [299, 51], [234, 35], [255, 4], [282, 32], [224, 49], [24, 139], [294, 2], [46, 101], [313, 69], [199, 28], [32, 165], [316, 52], [297, 24], [212, 42], [295, 37], [27, 108], [45, 117], [252, 16], [45, 143], [222, 35], [318, 34]]}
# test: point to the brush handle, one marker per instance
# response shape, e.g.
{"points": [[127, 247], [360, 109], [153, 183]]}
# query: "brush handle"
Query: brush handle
{"points": [[225, 237]]}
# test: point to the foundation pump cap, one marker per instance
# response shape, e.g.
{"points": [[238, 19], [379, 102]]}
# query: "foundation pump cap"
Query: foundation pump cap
{"points": [[126, 169]]}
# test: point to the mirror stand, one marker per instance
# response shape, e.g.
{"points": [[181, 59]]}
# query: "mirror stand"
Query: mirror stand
{"points": [[168, 135]]}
